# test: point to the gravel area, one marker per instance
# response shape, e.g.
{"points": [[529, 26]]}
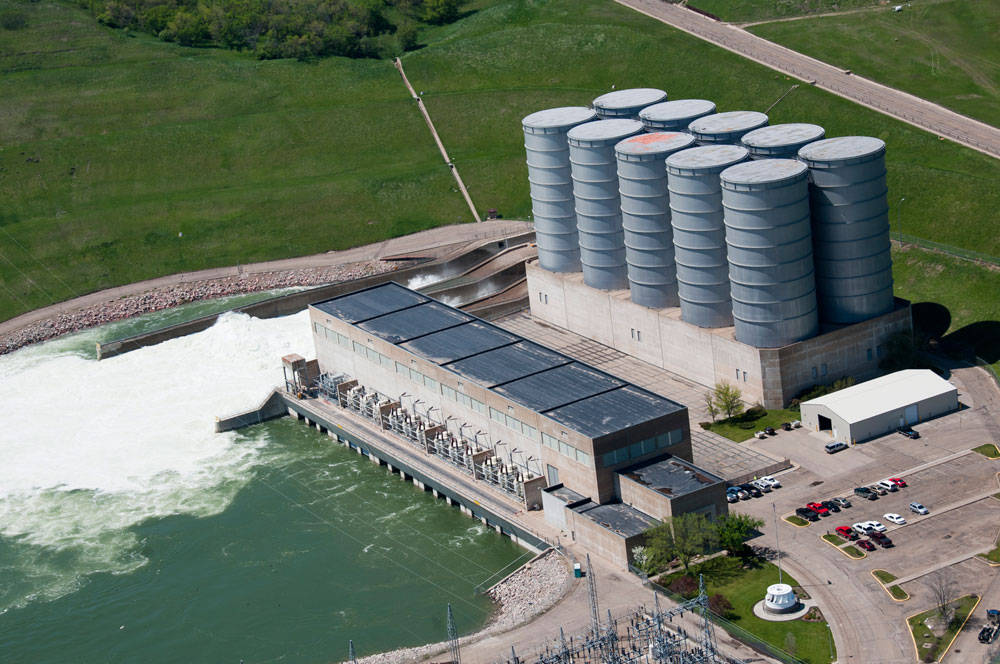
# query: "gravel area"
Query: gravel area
{"points": [[171, 296], [526, 593]]}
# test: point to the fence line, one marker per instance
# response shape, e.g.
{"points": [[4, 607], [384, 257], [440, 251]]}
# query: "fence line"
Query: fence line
{"points": [[733, 630], [964, 138], [989, 369], [957, 252]]}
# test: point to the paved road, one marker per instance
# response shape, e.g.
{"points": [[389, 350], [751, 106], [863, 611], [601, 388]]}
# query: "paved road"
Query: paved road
{"points": [[900, 105], [427, 242], [437, 139]]}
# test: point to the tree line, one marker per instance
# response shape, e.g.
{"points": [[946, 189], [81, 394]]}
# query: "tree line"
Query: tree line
{"points": [[282, 28]]}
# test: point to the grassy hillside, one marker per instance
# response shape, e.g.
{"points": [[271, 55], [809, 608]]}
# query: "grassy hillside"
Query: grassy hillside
{"points": [[947, 52], [744, 11], [111, 145]]}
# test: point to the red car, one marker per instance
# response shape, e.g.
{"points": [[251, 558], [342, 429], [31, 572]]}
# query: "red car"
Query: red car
{"points": [[847, 533], [866, 545], [898, 481], [818, 509]]}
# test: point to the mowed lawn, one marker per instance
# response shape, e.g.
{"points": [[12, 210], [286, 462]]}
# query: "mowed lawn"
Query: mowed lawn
{"points": [[744, 11], [945, 52], [110, 146]]}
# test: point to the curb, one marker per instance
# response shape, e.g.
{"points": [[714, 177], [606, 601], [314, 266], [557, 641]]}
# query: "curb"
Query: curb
{"points": [[886, 588], [913, 639], [837, 547]]}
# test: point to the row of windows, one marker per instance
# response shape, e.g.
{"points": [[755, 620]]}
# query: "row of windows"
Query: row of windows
{"points": [[464, 399], [324, 331], [643, 447], [514, 423], [566, 449], [415, 376]]}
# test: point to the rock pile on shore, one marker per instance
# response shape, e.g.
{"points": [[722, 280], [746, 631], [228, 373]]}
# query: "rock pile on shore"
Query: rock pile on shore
{"points": [[529, 591], [182, 293]]}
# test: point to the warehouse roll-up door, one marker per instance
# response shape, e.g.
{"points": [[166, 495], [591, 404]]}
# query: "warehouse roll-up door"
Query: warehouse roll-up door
{"points": [[911, 414]]}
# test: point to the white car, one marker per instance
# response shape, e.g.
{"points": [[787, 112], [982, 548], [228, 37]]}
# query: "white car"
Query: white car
{"points": [[763, 486], [918, 508], [895, 518], [770, 481], [862, 528], [876, 526], [888, 486]]}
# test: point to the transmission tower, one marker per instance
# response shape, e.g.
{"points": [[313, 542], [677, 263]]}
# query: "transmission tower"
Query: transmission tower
{"points": [[456, 656], [707, 628], [595, 616]]}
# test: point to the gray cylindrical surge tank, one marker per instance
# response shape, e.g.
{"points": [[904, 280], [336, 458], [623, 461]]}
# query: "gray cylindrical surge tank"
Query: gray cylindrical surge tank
{"points": [[781, 141], [675, 115], [770, 252], [700, 233], [627, 103], [649, 239], [727, 127], [598, 202], [551, 182], [850, 218]]}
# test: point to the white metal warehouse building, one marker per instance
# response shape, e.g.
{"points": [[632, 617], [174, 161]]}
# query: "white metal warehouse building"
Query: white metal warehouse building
{"points": [[876, 407]]}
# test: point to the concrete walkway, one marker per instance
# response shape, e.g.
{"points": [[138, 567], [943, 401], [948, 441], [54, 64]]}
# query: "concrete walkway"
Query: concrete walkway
{"points": [[895, 103], [437, 139], [435, 241]]}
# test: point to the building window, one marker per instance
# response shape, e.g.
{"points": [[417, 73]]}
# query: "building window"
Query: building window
{"points": [[633, 333], [638, 336], [744, 376], [814, 372], [878, 351], [737, 374], [869, 354], [824, 370]]}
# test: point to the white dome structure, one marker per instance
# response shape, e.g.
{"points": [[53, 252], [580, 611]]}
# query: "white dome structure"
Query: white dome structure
{"points": [[780, 599]]}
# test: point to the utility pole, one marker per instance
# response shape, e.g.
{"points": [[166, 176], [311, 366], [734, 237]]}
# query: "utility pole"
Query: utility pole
{"points": [[899, 218], [776, 544]]}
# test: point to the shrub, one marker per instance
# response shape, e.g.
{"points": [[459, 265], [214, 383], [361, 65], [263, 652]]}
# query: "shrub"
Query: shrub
{"points": [[705, 425], [684, 586], [719, 605], [13, 20]]}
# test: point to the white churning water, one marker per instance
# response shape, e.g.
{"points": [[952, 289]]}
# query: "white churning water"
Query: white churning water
{"points": [[91, 449]]}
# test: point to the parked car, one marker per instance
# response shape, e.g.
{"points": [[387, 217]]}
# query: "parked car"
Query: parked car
{"points": [[786, 426], [847, 533], [830, 505], [866, 545], [918, 508], [773, 483], [843, 502], [732, 497], [865, 492], [861, 528], [908, 432], [876, 526], [752, 490], [988, 633], [806, 514], [763, 486], [833, 448], [895, 518], [887, 485], [882, 540], [898, 481], [769, 431], [742, 493], [818, 509], [880, 490]]}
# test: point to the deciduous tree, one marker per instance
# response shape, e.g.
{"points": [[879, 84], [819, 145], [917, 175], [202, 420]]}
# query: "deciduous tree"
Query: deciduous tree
{"points": [[728, 399]]}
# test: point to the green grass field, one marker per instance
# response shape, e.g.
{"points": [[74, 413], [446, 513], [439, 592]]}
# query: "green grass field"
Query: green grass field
{"points": [[988, 450], [137, 140], [744, 587], [743, 11], [946, 52], [883, 576], [954, 300], [962, 607]]}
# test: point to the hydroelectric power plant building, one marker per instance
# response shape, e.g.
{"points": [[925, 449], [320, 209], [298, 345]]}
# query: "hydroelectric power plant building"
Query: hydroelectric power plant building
{"points": [[712, 245], [605, 458]]}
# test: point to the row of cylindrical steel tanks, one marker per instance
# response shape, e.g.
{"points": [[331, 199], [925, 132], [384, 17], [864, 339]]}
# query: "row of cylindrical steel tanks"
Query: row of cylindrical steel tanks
{"points": [[770, 229]]}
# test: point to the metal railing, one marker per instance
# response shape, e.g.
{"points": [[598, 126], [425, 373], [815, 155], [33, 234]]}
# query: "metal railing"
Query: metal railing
{"points": [[957, 252], [738, 633]]}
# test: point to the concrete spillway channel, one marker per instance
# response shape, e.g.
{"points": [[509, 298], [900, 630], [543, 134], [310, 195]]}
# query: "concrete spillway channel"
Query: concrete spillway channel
{"points": [[469, 275]]}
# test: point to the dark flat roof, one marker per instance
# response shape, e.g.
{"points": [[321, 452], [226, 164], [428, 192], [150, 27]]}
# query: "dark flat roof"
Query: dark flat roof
{"points": [[672, 476], [571, 393], [619, 518], [564, 494]]}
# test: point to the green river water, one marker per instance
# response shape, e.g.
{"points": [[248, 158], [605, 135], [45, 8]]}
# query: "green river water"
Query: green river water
{"points": [[131, 533]]}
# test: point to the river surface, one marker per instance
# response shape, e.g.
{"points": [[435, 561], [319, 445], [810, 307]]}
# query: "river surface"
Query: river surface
{"points": [[131, 532]]}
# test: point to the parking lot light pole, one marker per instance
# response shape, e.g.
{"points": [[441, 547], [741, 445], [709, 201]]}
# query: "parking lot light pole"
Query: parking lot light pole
{"points": [[776, 544], [899, 218]]}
